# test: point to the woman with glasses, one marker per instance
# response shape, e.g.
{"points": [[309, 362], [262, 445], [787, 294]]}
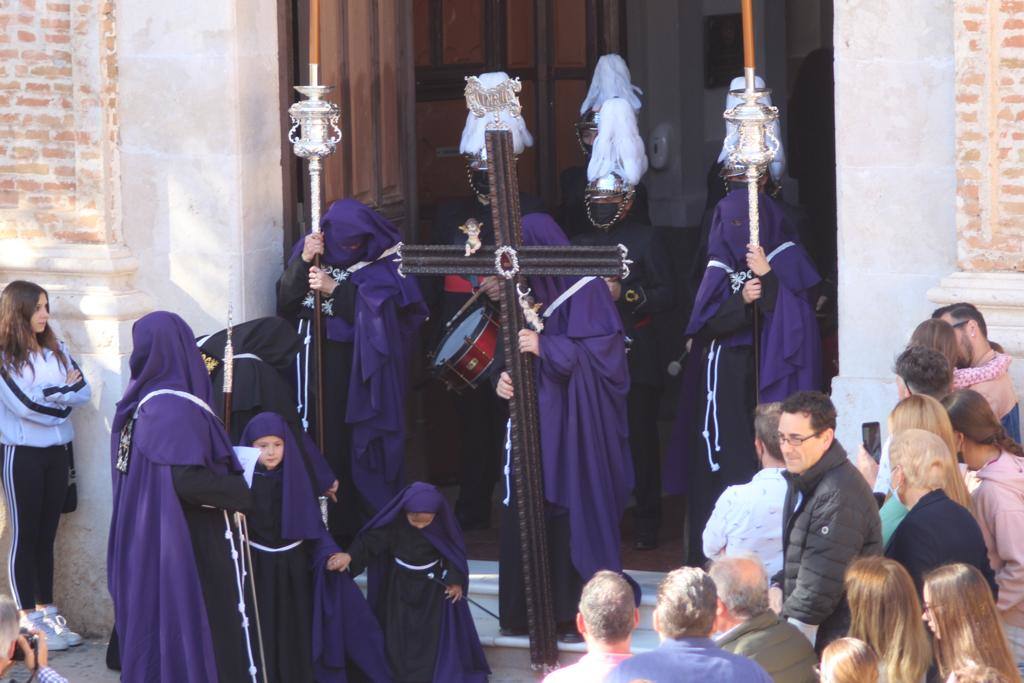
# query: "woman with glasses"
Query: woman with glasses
{"points": [[960, 613], [884, 613]]}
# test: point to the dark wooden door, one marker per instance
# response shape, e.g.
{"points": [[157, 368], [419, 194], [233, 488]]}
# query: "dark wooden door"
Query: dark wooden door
{"points": [[551, 45], [366, 54]]}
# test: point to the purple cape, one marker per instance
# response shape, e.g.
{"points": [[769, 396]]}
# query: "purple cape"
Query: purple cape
{"points": [[389, 309], [344, 628], [460, 657], [790, 340], [158, 599], [582, 382]]}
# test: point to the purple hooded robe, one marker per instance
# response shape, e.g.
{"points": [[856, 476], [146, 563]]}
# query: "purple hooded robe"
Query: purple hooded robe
{"points": [[460, 657], [343, 627], [388, 311], [582, 382], [161, 618]]}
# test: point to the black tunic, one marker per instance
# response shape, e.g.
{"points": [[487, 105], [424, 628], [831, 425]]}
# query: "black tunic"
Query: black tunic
{"points": [[736, 400], [348, 515], [198, 487], [410, 603], [284, 586]]}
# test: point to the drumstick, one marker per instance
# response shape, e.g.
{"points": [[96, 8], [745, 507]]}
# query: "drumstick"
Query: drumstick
{"points": [[476, 295]]}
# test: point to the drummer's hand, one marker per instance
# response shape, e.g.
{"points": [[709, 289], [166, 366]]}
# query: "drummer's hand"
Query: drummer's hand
{"points": [[615, 287], [491, 286], [313, 245], [504, 389], [332, 492], [320, 280], [529, 342]]}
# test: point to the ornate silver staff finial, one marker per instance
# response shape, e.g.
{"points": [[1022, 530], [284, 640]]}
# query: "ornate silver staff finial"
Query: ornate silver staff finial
{"points": [[317, 119], [756, 145], [502, 97]]}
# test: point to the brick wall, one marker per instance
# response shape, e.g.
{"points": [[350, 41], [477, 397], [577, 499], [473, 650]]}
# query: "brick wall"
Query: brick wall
{"points": [[990, 134], [58, 120]]}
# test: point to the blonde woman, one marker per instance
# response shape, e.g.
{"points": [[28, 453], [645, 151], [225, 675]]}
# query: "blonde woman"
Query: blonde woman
{"points": [[937, 530], [884, 613], [919, 411], [960, 612], [849, 660]]}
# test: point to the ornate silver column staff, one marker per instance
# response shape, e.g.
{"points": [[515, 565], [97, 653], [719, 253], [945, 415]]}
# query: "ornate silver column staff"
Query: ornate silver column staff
{"points": [[314, 135], [756, 144]]}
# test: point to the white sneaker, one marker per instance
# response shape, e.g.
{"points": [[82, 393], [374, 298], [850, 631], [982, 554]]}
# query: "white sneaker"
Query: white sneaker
{"points": [[34, 621], [59, 624]]}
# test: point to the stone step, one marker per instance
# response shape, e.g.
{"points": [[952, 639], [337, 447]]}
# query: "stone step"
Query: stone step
{"points": [[509, 656]]}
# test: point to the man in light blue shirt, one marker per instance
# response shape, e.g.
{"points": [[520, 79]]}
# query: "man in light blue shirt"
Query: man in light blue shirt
{"points": [[684, 617]]}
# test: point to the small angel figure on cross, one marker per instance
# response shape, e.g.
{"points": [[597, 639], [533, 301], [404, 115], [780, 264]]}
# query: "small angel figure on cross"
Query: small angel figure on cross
{"points": [[471, 229], [531, 310]]}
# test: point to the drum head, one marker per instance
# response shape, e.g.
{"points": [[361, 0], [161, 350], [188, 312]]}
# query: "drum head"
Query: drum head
{"points": [[455, 340]]}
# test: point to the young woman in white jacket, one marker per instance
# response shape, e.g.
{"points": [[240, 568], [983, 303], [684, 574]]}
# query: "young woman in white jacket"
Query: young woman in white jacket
{"points": [[39, 385]]}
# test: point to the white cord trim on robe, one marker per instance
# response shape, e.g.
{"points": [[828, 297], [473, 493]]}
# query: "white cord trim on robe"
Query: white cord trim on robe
{"points": [[508, 463], [362, 264], [416, 567], [247, 356], [267, 549], [174, 392], [711, 405], [240, 575], [302, 376]]}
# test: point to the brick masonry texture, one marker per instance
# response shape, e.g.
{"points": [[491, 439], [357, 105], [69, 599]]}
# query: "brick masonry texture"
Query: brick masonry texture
{"points": [[58, 121], [990, 134]]}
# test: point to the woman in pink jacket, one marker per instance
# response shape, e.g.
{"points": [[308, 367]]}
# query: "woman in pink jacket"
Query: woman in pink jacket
{"points": [[998, 463]]}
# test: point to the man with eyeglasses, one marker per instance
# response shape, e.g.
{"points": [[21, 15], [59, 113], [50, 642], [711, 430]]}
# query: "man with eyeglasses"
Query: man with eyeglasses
{"points": [[989, 376], [830, 518]]}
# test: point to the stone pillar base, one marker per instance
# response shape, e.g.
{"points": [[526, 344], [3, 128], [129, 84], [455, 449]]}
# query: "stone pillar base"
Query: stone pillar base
{"points": [[94, 305]]}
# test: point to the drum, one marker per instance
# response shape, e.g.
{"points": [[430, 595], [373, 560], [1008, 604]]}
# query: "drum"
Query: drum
{"points": [[467, 350]]}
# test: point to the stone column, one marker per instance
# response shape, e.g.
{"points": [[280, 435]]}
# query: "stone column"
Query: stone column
{"points": [[990, 180], [896, 187], [201, 131], [140, 168]]}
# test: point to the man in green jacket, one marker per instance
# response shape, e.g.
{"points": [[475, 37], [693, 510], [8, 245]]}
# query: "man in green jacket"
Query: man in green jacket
{"points": [[745, 625]]}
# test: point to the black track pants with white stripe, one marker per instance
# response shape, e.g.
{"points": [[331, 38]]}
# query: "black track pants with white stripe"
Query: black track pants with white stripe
{"points": [[35, 482]]}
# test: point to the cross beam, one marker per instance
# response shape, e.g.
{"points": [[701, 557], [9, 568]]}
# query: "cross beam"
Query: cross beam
{"points": [[512, 261]]}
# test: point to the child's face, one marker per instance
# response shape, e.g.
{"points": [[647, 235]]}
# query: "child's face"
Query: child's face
{"points": [[420, 520], [271, 451]]}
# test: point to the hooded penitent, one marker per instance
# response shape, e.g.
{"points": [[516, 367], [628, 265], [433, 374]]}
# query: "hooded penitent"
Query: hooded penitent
{"points": [[582, 382], [460, 658], [388, 310], [151, 564]]}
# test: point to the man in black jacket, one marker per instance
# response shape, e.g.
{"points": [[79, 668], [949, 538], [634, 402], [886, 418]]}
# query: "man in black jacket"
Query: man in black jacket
{"points": [[830, 518]]}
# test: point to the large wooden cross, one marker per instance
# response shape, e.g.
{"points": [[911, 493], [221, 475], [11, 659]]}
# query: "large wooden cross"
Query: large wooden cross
{"points": [[511, 261]]}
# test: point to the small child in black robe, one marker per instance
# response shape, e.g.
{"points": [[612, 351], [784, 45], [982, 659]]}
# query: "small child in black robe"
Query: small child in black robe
{"points": [[417, 576], [286, 534]]}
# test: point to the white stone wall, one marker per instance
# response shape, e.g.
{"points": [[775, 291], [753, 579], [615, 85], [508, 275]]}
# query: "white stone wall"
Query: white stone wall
{"points": [[896, 187], [201, 130]]}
